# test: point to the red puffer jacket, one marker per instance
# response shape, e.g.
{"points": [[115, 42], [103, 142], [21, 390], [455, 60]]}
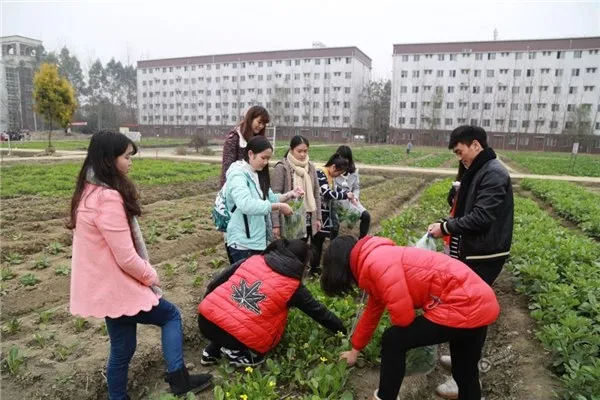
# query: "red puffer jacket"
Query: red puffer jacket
{"points": [[252, 304], [402, 279]]}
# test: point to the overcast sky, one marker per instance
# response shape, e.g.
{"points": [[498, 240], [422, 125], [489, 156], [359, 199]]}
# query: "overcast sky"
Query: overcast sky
{"points": [[168, 28]]}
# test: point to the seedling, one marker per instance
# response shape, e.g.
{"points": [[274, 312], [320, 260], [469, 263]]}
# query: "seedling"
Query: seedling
{"points": [[29, 280], [42, 263], [45, 316], [14, 360], [6, 274], [198, 281], [12, 326], [13, 258], [55, 248], [63, 270], [80, 324]]}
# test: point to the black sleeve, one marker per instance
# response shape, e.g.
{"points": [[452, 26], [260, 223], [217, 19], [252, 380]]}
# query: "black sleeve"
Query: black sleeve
{"points": [[222, 277], [305, 302]]}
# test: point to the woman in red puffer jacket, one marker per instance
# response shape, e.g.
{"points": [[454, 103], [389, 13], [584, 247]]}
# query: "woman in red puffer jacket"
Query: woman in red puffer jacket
{"points": [[457, 306]]}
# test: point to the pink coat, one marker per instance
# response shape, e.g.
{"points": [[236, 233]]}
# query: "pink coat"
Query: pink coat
{"points": [[108, 277]]}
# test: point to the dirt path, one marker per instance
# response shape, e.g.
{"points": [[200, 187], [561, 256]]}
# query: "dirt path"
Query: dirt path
{"points": [[366, 169]]}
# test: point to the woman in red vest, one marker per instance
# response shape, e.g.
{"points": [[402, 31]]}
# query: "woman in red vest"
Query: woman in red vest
{"points": [[457, 306], [244, 312]]}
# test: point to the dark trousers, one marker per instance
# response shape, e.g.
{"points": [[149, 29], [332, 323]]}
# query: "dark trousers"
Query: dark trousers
{"points": [[218, 337], [238, 254], [365, 224], [317, 249], [465, 350], [488, 271]]}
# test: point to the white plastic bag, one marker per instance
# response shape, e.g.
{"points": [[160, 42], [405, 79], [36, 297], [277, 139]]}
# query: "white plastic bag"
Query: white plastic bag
{"points": [[427, 242]]}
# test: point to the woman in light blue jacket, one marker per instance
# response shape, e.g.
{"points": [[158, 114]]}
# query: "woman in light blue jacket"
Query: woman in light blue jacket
{"points": [[250, 200]]}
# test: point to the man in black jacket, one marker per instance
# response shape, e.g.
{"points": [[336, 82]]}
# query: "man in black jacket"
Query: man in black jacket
{"points": [[482, 225]]}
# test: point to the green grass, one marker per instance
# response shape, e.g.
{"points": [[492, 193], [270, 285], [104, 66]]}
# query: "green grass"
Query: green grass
{"points": [[380, 155], [59, 179], [555, 163]]}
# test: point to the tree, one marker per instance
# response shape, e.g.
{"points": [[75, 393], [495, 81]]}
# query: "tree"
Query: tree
{"points": [[377, 95], [54, 97], [579, 122]]}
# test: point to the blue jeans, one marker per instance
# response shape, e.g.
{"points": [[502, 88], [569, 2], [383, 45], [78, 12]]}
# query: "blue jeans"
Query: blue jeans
{"points": [[238, 254], [122, 333]]}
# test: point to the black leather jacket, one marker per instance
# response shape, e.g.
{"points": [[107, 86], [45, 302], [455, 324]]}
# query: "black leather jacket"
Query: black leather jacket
{"points": [[486, 227]]}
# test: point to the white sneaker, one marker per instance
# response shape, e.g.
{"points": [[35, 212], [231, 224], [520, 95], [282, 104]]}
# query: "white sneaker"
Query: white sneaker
{"points": [[448, 389], [446, 362], [376, 397]]}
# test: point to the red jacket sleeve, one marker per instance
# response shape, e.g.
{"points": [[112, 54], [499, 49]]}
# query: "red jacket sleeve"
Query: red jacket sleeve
{"points": [[367, 323]]}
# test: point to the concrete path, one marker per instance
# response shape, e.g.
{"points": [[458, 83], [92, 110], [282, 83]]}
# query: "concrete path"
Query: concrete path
{"points": [[161, 154]]}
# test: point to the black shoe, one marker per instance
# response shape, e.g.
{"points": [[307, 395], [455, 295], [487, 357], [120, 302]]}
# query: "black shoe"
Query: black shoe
{"points": [[243, 358], [181, 382], [209, 359]]}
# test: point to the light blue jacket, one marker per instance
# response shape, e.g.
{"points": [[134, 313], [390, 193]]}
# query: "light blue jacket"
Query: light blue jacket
{"points": [[243, 192]]}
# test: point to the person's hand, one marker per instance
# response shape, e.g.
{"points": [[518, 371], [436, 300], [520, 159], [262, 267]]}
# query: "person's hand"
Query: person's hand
{"points": [[285, 209], [350, 196], [319, 226], [297, 193], [276, 233], [435, 230], [350, 356]]}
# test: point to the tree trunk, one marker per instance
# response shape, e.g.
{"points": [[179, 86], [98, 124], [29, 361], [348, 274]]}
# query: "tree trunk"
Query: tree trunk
{"points": [[50, 132]]}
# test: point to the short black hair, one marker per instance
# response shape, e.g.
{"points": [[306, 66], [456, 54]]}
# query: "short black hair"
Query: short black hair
{"points": [[466, 134], [298, 248], [337, 278], [338, 161]]}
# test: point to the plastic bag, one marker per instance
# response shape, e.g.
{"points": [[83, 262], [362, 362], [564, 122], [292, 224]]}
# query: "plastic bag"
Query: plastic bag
{"points": [[294, 226], [426, 242]]}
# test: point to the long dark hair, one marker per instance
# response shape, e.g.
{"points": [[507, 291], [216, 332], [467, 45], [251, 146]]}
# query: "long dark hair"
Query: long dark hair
{"points": [[258, 144], [337, 278], [346, 152], [251, 114], [102, 153], [338, 161], [295, 142]]}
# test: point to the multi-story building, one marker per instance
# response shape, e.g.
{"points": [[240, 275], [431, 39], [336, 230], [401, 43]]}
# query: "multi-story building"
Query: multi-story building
{"points": [[17, 67], [315, 92], [513, 87]]}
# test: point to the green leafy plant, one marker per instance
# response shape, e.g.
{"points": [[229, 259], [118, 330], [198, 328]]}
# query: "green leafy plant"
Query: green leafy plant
{"points": [[14, 360], [198, 281], [45, 316], [29, 280], [41, 263], [216, 263], [6, 274], [13, 258], [12, 326], [63, 270], [55, 248], [80, 324]]}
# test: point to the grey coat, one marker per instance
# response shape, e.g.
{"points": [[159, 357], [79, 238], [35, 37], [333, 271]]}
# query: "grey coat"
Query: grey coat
{"points": [[282, 183]]}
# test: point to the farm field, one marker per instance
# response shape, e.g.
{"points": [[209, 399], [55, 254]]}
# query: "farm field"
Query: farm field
{"points": [[547, 163], [543, 342]]}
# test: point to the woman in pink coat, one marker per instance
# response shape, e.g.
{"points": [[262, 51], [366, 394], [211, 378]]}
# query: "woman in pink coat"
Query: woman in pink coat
{"points": [[111, 276]]}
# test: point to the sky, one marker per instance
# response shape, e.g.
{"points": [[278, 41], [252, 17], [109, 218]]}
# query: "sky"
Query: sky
{"points": [[136, 30]]}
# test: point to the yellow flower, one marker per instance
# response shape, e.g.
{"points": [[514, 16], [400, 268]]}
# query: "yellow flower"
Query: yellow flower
{"points": [[323, 359], [243, 397], [271, 384], [248, 370]]}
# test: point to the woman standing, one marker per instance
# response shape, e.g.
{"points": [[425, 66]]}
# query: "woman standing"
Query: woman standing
{"points": [[350, 181], [250, 200], [111, 276], [296, 171], [335, 166]]}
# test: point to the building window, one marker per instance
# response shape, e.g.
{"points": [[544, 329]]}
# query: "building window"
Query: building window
{"points": [[487, 106], [489, 89], [532, 55], [491, 56], [474, 121], [529, 89], [477, 73], [525, 124], [450, 89], [476, 89], [453, 57], [518, 56], [440, 57], [415, 89], [588, 88], [450, 106], [486, 122], [512, 124], [475, 106], [543, 88], [448, 121], [517, 73], [452, 73], [413, 121], [514, 107], [590, 70], [545, 70], [440, 73], [527, 107], [577, 54], [478, 56], [401, 120], [403, 74], [415, 74], [529, 73], [572, 90], [553, 124], [575, 72], [416, 57], [490, 73], [499, 122], [404, 58]]}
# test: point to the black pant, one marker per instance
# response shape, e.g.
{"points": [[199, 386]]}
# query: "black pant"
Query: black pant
{"points": [[365, 224], [317, 248], [239, 255], [218, 337], [465, 350], [488, 271]]}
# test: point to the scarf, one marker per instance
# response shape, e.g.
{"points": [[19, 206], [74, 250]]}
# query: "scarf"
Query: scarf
{"points": [[136, 233], [303, 181], [482, 158]]}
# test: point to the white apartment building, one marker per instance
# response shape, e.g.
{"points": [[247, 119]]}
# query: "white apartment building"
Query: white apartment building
{"points": [[517, 86], [309, 88]]}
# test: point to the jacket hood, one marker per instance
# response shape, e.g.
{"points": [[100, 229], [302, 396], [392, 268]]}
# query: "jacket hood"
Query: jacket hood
{"points": [[285, 263], [361, 250]]}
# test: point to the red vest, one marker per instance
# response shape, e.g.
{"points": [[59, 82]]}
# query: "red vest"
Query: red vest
{"points": [[252, 304]]}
